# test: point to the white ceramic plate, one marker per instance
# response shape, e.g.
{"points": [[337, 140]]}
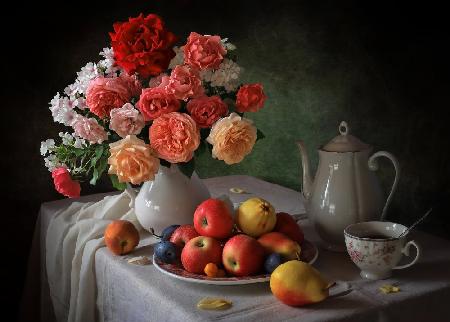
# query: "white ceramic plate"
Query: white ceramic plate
{"points": [[309, 254]]}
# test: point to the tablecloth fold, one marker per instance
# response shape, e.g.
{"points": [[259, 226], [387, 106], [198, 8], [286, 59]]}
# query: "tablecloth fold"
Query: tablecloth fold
{"points": [[73, 237]]}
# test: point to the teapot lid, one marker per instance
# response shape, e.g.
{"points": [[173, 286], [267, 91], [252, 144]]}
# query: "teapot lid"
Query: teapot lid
{"points": [[345, 142]]}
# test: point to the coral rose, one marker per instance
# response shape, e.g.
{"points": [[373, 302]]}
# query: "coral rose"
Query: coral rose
{"points": [[250, 98], [204, 51], [155, 102], [89, 129], [104, 94], [207, 110], [184, 83], [232, 138], [174, 137], [143, 45], [126, 120], [132, 160], [64, 183]]}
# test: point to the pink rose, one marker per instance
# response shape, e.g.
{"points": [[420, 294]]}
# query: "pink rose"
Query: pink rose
{"points": [[64, 183], [155, 102], [184, 83], [204, 51], [104, 94], [156, 81], [126, 120], [207, 110], [89, 129], [250, 98], [174, 137]]}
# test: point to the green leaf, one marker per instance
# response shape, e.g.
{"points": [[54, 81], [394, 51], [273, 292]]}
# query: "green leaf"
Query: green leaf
{"points": [[115, 182], [259, 135], [78, 152], [99, 151], [95, 175], [187, 168]]}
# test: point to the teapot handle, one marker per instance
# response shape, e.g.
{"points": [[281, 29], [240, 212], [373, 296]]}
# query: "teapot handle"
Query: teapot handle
{"points": [[373, 165]]}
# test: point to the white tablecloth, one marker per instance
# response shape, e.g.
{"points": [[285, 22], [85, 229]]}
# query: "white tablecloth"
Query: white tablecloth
{"points": [[127, 292]]}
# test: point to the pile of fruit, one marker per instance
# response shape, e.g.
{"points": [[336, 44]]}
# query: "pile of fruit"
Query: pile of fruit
{"points": [[256, 241]]}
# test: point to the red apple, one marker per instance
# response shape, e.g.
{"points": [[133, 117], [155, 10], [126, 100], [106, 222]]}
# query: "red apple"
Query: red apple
{"points": [[213, 218], [287, 225], [200, 251], [183, 234], [121, 237], [243, 255]]}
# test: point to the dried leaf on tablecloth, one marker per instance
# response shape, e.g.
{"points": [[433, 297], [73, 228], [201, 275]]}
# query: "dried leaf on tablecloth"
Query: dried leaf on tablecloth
{"points": [[140, 260], [209, 303], [386, 289], [237, 190]]}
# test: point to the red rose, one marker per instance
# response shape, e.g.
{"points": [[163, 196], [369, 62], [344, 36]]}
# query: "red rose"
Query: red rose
{"points": [[207, 110], [250, 98], [64, 183], [143, 45], [155, 102]]}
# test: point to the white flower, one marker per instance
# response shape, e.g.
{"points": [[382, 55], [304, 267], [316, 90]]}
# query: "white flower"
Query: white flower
{"points": [[108, 63], [178, 59], [79, 142], [52, 162], [227, 75], [67, 138], [228, 46], [62, 110], [46, 146]]}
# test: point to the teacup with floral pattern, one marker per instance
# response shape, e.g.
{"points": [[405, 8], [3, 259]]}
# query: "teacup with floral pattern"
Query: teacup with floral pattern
{"points": [[375, 248]]}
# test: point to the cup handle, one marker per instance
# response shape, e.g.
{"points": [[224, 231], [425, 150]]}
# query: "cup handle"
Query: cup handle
{"points": [[405, 251]]}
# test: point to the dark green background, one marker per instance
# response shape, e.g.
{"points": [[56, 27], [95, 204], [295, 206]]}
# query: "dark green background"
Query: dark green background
{"points": [[379, 66]]}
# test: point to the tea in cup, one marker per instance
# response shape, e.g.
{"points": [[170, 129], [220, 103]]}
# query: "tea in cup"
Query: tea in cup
{"points": [[375, 248]]}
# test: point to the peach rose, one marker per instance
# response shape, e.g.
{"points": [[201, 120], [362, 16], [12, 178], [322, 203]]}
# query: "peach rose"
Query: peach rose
{"points": [[155, 102], [174, 137], [250, 98], [89, 129], [132, 160], [126, 120], [104, 94], [204, 51], [206, 110], [232, 138], [184, 83]]}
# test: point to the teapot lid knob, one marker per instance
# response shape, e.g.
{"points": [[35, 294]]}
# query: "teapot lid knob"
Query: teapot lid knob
{"points": [[345, 142], [343, 128]]}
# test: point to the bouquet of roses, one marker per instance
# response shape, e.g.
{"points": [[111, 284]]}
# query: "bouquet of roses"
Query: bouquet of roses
{"points": [[149, 103]]}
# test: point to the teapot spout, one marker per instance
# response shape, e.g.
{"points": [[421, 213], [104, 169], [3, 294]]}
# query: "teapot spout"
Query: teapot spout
{"points": [[306, 180]]}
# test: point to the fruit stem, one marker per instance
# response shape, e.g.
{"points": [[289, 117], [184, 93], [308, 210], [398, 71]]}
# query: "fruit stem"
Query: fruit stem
{"points": [[330, 285], [152, 231]]}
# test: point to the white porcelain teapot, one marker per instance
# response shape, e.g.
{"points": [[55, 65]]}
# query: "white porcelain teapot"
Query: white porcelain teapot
{"points": [[345, 189]]}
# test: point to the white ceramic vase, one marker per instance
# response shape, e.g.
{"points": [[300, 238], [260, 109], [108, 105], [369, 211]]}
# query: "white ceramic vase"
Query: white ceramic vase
{"points": [[171, 198]]}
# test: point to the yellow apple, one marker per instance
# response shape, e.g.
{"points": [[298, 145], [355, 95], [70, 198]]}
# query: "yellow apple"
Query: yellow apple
{"points": [[256, 217]]}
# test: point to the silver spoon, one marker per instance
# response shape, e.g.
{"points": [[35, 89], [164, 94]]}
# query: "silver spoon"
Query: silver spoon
{"points": [[406, 231]]}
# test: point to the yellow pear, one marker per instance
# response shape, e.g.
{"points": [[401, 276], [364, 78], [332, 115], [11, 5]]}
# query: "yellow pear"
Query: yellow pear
{"points": [[256, 217], [297, 283]]}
